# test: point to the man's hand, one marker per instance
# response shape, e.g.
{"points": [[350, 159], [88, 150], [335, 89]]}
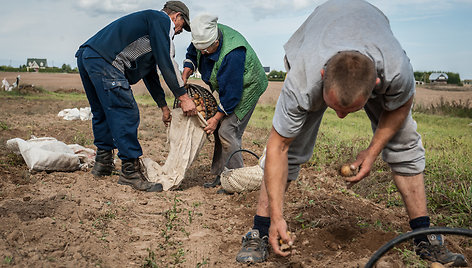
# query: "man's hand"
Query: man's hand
{"points": [[166, 115], [212, 124], [389, 124], [187, 105], [365, 160], [277, 231]]}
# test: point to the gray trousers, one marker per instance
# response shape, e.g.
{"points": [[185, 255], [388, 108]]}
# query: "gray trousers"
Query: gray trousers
{"points": [[228, 138], [404, 153]]}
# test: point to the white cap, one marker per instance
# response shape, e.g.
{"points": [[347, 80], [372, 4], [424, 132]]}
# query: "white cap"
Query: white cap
{"points": [[204, 30]]}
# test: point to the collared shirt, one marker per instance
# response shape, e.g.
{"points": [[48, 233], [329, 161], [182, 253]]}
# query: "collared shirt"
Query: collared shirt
{"points": [[229, 75]]}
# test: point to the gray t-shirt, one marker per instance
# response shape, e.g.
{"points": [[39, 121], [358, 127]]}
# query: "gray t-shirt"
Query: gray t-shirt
{"points": [[340, 25]]}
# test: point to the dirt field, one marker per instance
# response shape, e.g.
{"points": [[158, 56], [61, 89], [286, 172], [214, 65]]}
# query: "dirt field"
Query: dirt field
{"points": [[61, 219]]}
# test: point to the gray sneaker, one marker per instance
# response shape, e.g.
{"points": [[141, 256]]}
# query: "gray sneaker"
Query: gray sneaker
{"points": [[255, 249], [436, 251]]}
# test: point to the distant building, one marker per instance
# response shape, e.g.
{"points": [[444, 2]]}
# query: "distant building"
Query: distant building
{"points": [[267, 70], [36, 64], [467, 83], [438, 78]]}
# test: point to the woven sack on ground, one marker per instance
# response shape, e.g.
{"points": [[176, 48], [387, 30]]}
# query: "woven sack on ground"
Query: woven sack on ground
{"points": [[243, 179]]}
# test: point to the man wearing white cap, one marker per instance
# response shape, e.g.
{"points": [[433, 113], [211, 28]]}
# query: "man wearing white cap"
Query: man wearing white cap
{"points": [[118, 56], [229, 65]]}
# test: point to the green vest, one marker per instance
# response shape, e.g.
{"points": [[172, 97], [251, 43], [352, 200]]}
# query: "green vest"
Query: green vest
{"points": [[254, 78]]}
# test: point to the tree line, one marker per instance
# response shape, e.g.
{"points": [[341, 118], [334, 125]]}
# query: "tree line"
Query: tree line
{"points": [[453, 78]]}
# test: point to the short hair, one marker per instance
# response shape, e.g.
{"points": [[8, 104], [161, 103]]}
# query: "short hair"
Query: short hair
{"points": [[351, 74]]}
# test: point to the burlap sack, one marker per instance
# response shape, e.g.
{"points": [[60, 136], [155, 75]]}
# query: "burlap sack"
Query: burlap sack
{"points": [[186, 137]]}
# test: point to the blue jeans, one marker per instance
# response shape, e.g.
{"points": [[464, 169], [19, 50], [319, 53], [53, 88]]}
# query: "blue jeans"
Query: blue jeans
{"points": [[115, 112]]}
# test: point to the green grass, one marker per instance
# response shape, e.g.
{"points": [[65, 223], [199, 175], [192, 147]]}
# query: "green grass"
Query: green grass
{"points": [[339, 140], [4, 125], [262, 117], [43, 94], [444, 107]]}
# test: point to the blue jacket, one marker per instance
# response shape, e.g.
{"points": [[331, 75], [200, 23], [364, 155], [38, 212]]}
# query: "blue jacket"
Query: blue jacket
{"points": [[230, 74], [135, 44]]}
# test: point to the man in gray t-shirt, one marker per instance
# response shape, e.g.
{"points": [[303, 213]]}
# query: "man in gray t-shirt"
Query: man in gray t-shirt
{"points": [[344, 57]]}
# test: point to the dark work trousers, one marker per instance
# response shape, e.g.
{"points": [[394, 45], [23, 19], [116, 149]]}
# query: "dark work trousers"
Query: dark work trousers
{"points": [[115, 112], [228, 138]]}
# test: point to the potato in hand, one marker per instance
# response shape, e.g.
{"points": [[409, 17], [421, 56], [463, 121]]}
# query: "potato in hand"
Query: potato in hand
{"points": [[348, 170], [284, 246]]}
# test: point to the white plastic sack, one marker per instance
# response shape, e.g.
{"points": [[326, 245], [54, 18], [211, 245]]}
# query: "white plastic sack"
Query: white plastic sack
{"points": [[186, 137], [86, 155], [6, 85], [85, 113], [49, 154], [76, 114]]}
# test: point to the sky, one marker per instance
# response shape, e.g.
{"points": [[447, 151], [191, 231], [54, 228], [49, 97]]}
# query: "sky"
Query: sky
{"points": [[436, 35]]}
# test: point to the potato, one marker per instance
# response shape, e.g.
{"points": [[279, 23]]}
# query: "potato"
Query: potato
{"points": [[347, 171], [437, 265], [196, 96], [284, 246]]}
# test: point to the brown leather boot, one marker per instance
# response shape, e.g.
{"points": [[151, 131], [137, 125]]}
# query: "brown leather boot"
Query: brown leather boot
{"points": [[132, 174], [104, 164]]}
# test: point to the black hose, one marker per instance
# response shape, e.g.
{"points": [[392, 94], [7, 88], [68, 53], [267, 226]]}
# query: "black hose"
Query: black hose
{"points": [[240, 150], [409, 235]]}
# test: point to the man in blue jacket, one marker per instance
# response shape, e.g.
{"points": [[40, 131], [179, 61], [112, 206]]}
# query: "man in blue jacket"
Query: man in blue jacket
{"points": [[119, 55]]}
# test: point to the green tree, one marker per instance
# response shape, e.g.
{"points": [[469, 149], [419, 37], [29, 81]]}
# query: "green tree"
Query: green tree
{"points": [[66, 67], [453, 78], [276, 75]]}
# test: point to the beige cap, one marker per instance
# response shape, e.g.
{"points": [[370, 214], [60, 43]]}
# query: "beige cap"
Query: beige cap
{"points": [[204, 30]]}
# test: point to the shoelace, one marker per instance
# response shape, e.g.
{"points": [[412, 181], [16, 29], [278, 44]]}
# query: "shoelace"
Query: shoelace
{"points": [[143, 169], [253, 243]]}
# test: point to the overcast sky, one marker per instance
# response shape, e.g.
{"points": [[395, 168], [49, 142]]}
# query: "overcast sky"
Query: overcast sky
{"points": [[437, 35]]}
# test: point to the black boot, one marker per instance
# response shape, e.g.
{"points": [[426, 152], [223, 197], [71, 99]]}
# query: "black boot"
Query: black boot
{"points": [[213, 184], [104, 164], [132, 174]]}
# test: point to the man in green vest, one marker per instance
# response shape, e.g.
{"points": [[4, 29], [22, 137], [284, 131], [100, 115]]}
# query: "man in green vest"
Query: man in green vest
{"points": [[229, 65]]}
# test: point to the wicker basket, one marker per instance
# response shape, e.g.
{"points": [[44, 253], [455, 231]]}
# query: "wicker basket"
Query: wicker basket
{"points": [[204, 100], [243, 179]]}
